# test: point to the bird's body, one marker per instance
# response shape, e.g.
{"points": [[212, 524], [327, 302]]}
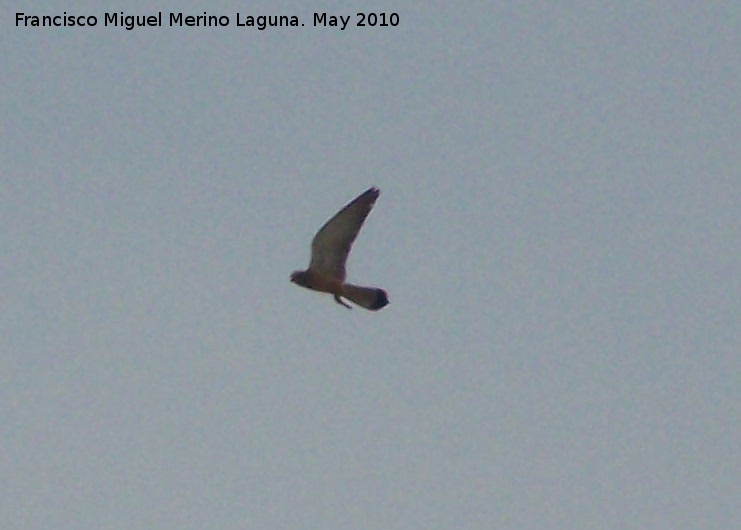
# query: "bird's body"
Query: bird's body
{"points": [[329, 251]]}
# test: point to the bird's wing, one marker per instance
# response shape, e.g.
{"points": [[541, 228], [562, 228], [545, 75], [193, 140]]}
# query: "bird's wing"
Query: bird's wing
{"points": [[332, 243]]}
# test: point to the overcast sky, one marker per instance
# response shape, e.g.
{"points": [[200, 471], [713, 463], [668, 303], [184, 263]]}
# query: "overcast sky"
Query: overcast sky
{"points": [[559, 232]]}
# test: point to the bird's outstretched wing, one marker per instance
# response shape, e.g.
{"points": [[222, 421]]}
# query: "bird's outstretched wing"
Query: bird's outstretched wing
{"points": [[332, 243]]}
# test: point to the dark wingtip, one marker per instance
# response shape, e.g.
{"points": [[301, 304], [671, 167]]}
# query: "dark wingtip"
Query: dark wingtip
{"points": [[382, 300]]}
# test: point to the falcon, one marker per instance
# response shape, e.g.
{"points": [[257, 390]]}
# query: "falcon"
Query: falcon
{"points": [[329, 250]]}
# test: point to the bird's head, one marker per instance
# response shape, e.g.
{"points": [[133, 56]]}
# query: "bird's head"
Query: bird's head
{"points": [[299, 277]]}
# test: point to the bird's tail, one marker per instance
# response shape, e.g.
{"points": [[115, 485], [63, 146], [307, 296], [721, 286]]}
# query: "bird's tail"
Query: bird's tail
{"points": [[368, 297]]}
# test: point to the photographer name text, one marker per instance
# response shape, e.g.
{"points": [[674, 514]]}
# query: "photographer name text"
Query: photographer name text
{"points": [[206, 20]]}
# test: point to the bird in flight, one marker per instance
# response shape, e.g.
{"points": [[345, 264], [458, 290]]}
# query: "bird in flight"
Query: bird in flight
{"points": [[329, 250]]}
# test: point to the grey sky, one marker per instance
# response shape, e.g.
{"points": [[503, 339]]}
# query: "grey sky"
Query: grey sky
{"points": [[558, 230]]}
